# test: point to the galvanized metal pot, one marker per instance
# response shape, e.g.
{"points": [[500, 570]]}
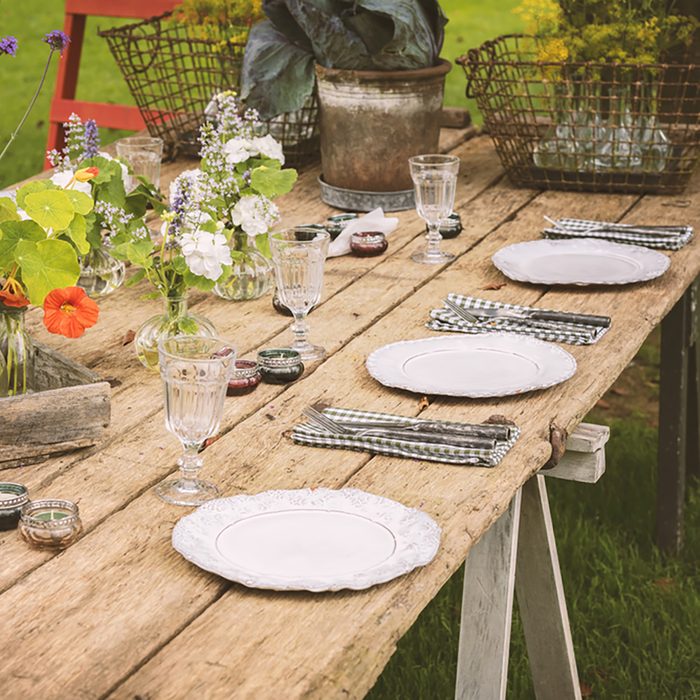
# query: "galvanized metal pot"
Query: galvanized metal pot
{"points": [[372, 122]]}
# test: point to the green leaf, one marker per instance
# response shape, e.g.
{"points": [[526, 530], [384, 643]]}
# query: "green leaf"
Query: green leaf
{"points": [[108, 169], [11, 233], [262, 243], [272, 182], [180, 265], [81, 201], [31, 188], [46, 265], [50, 209], [8, 210], [135, 278], [77, 232], [192, 280], [187, 325], [139, 251]]}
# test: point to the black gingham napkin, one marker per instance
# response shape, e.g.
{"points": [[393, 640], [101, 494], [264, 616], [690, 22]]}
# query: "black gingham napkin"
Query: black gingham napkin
{"points": [[308, 434], [555, 331], [673, 237]]}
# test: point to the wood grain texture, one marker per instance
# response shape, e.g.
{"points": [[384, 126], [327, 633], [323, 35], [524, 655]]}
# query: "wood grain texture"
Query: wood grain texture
{"points": [[140, 621]]}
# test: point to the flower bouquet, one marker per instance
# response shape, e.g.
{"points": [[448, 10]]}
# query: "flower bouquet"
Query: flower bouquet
{"points": [[213, 236], [117, 214]]}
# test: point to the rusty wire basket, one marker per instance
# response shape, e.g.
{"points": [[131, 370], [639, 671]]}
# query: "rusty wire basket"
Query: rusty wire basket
{"points": [[584, 126], [173, 77]]}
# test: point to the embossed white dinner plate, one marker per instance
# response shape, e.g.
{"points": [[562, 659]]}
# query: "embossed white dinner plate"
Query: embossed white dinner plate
{"points": [[579, 261], [307, 539], [494, 364]]}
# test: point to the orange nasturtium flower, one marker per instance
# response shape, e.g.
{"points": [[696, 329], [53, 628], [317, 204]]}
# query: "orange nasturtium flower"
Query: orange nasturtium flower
{"points": [[85, 174], [69, 312], [12, 294]]}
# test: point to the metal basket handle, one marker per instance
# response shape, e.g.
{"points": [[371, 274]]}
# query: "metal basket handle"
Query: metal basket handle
{"points": [[472, 62]]}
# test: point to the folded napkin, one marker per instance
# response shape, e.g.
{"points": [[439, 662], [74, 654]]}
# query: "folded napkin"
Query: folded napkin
{"points": [[556, 331], [374, 221], [672, 237], [309, 434]]}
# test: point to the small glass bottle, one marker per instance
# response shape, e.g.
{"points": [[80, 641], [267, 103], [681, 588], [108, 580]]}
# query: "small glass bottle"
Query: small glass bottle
{"points": [[17, 350], [280, 365], [367, 244], [176, 320], [100, 273], [246, 377], [251, 273]]}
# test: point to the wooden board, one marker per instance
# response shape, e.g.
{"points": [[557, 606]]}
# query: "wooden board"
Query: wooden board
{"points": [[140, 621]]}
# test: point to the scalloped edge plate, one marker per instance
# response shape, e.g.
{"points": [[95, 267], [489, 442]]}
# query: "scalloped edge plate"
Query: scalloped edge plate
{"points": [[431, 365], [307, 539], [523, 262]]}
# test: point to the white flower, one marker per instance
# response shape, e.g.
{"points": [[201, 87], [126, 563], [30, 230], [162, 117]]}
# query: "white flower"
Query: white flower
{"points": [[125, 170], [254, 214], [269, 146], [238, 150], [205, 253], [63, 179]]}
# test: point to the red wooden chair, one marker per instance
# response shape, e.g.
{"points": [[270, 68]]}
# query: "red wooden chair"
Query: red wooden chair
{"points": [[114, 116]]}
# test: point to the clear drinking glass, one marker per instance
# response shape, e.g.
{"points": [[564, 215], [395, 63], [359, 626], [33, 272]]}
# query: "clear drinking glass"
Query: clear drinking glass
{"points": [[299, 255], [143, 154], [435, 180], [196, 371]]}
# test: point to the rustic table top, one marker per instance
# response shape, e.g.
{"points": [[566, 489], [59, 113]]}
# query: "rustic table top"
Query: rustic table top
{"points": [[121, 614]]}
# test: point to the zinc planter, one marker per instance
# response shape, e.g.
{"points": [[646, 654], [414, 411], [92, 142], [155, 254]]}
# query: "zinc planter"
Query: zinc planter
{"points": [[372, 122]]}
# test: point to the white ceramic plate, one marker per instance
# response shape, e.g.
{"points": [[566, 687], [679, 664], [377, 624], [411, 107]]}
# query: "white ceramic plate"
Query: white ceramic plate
{"points": [[497, 364], [579, 261], [310, 540]]}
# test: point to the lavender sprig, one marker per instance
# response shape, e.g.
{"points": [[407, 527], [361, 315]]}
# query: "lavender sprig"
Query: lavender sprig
{"points": [[8, 45]]}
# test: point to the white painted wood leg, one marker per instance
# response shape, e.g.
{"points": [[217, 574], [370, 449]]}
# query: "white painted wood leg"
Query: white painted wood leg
{"points": [[541, 599], [487, 609]]}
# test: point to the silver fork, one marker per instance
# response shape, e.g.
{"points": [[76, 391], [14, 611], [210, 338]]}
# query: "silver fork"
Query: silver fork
{"points": [[460, 311]]}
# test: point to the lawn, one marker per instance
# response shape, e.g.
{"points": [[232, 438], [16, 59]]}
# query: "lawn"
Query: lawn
{"points": [[634, 613]]}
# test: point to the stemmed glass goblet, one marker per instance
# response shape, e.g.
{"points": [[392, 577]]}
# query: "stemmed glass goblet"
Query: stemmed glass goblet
{"points": [[434, 180], [299, 256], [195, 370]]}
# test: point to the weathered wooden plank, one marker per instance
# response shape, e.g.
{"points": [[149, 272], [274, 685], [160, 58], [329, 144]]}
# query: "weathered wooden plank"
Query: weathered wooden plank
{"points": [[541, 600], [487, 610], [584, 467], [588, 437]]}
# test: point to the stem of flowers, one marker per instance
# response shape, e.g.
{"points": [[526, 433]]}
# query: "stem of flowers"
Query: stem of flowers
{"points": [[31, 105]]}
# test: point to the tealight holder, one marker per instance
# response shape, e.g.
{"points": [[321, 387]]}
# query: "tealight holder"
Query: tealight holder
{"points": [[451, 227], [13, 497], [307, 232], [280, 365], [50, 523], [336, 224], [366, 244], [246, 376]]}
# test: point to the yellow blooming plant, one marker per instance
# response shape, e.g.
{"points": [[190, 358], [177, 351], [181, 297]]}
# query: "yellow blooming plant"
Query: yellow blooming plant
{"points": [[226, 21]]}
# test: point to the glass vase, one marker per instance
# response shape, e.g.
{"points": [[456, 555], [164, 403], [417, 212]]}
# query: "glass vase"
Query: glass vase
{"points": [[175, 320], [17, 352], [100, 273], [251, 273]]}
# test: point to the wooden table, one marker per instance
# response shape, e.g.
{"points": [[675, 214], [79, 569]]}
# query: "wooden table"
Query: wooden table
{"points": [[120, 614]]}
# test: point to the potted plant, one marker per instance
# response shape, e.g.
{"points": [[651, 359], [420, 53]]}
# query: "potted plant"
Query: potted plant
{"points": [[380, 81]]}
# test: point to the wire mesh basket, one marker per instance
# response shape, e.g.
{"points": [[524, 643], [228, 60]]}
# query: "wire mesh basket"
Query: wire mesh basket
{"points": [[585, 126], [173, 77]]}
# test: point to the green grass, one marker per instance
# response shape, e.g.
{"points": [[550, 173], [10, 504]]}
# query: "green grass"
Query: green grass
{"points": [[634, 614]]}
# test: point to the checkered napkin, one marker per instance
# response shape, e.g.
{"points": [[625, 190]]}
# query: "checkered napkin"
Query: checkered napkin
{"points": [[556, 331], [308, 434], [580, 228]]}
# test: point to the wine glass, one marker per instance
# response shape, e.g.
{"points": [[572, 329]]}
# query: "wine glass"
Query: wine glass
{"points": [[435, 180], [196, 370], [299, 255]]}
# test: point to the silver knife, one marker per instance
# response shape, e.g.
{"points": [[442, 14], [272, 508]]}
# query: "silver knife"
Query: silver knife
{"points": [[537, 315]]}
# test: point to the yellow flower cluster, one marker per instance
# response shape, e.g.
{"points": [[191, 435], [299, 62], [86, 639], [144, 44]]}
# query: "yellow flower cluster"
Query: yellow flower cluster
{"points": [[227, 21], [539, 16], [553, 51]]}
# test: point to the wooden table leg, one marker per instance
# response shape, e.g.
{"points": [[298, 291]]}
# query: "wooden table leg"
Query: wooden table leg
{"points": [[487, 610], [693, 443], [673, 416], [541, 599]]}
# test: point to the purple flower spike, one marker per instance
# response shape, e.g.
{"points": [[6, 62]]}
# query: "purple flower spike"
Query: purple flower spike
{"points": [[57, 40], [8, 45], [91, 139]]}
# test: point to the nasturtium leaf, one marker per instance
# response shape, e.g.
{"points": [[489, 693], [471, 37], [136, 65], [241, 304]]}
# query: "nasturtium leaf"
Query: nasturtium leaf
{"points": [[50, 209], [46, 265], [81, 201], [108, 169], [77, 233], [272, 182], [139, 251], [11, 233], [31, 188], [187, 325], [8, 210]]}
